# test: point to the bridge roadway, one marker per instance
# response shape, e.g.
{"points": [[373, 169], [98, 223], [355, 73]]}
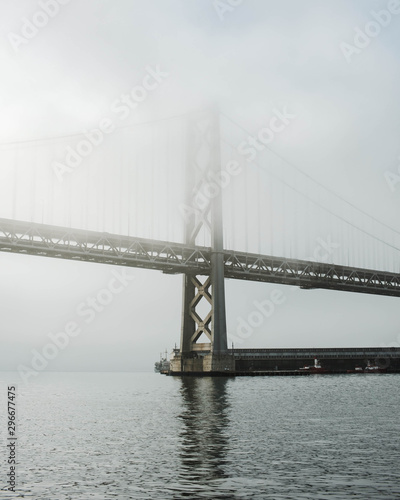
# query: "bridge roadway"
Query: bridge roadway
{"points": [[91, 246]]}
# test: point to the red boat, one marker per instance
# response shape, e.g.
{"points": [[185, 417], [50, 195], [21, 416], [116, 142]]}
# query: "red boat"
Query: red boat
{"points": [[373, 368], [368, 369], [317, 368], [357, 369]]}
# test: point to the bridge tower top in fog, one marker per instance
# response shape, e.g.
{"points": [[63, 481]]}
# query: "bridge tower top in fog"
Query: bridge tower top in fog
{"points": [[204, 165]]}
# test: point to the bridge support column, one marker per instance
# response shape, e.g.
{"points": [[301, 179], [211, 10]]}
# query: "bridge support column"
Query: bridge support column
{"points": [[203, 217]]}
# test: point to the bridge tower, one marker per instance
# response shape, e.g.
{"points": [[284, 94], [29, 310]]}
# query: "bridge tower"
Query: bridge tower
{"points": [[203, 218]]}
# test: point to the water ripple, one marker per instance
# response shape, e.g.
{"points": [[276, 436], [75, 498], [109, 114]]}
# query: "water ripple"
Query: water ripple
{"points": [[145, 436]]}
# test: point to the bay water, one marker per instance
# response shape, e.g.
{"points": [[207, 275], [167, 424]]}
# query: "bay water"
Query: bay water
{"points": [[127, 436]]}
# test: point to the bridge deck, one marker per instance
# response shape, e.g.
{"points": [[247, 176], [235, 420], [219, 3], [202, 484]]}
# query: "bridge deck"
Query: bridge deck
{"points": [[90, 246]]}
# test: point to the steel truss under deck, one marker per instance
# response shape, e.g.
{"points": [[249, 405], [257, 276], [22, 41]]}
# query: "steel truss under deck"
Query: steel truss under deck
{"points": [[90, 246]]}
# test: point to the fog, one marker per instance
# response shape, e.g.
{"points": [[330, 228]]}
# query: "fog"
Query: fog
{"points": [[65, 72]]}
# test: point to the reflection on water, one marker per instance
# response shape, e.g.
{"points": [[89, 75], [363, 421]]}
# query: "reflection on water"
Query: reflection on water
{"points": [[204, 417], [134, 436]]}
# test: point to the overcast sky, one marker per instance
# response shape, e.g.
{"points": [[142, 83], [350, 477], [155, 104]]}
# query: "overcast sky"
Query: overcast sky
{"points": [[64, 77]]}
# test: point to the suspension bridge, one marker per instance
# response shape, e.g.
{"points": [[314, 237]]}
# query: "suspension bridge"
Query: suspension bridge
{"points": [[180, 196]]}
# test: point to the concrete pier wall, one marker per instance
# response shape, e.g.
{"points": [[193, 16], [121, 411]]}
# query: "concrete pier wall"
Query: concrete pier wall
{"points": [[258, 360]]}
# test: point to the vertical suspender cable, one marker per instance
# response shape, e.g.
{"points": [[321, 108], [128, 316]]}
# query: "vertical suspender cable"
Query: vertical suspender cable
{"points": [[121, 187], [14, 200], [232, 218], [271, 212], [87, 201], [245, 210], [51, 207], [284, 254], [259, 211], [69, 211], [129, 189], [166, 200], [152, 168], [112, 181], [136, 162], [295, 237], [33, 202]]}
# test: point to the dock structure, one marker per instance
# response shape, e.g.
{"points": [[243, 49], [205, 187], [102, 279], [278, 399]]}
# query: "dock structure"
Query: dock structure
{"points": [[275, 362]]}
